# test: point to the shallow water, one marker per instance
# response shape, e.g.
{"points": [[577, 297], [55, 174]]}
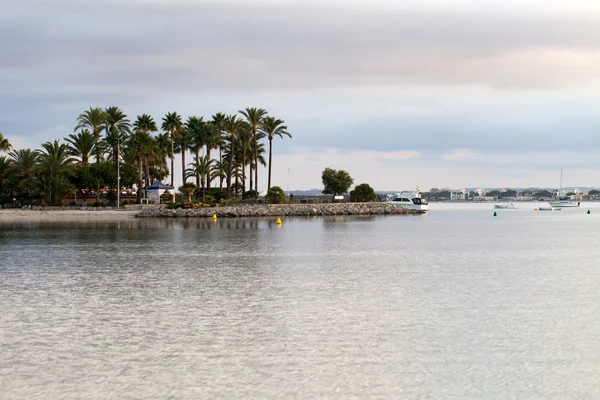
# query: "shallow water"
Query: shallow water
{"points": [[452, 304]]}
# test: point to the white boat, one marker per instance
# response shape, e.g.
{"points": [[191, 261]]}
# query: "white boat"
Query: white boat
{"points": [[549, 209], [411, 201], [506, 206], [562, 201]]}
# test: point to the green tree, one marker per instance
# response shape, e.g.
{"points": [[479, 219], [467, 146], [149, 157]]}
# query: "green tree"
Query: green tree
{"points": [[275, 195], [200, 168], [233, 126], [362, 193], [95, 120], [172, 125], [24, 163], [54, 166], [4, 143], [273, 127], [594, 192], [117, 128], [141, 143], [188, 188], [82, 145], [214, 140], [336, 182], [254, 117]]}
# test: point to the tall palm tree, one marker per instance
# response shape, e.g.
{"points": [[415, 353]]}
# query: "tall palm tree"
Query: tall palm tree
{"points": [[181, 146], [54, 165], [93, 119], [82, 145], [141, 142], [117, 128], [254, 116], [218, 121], [172, 125], [273, 127], [245, 144], [214, 140], [233, 126]]}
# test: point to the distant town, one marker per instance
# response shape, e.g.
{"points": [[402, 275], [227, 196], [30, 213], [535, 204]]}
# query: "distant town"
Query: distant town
{"points": [[486, 194]]}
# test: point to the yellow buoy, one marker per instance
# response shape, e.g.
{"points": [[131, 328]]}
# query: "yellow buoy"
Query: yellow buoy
{"points": [[535, 209], [278, 222], [214, 216]]}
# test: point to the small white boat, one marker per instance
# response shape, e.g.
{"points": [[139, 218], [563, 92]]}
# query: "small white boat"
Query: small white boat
{"points": [[506, 206], [549, 209], [411, 201], [564, 203]]}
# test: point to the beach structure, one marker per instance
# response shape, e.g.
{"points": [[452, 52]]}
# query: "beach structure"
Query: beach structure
{"points": [[158, 189]]}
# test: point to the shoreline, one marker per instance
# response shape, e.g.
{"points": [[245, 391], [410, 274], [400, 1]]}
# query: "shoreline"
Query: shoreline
{"points": [[279, 210], [19, 215]]}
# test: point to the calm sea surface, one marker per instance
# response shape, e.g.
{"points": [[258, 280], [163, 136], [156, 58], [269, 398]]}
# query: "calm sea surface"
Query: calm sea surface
{"points": [[454, 304]]}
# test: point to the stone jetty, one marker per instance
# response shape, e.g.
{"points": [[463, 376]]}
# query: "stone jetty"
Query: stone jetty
{"points": [[278, 210]]}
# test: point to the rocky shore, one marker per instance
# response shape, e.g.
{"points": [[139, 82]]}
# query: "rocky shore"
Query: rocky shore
{"points": [[278, 210]]}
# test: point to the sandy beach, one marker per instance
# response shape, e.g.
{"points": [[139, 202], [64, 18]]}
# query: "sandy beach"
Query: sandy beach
{"points": [[18, 215]]}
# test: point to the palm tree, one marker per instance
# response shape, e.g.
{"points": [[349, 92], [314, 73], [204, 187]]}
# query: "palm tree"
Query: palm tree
{"points": [[245, 143], [254, 116], [214, 140], [172, 124], [273, 127], [218, 121], [117, 128], [54, 165], [188, 188], [82, 145], [181, 146], [24, 163], [93, 119], [141, 142], [201, 170], [233, 126], [4, 144]]}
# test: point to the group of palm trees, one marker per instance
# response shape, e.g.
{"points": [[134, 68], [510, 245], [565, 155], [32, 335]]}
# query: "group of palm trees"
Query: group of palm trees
{"points": [[107, 137]]}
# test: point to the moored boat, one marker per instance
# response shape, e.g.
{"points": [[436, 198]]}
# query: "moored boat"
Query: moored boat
{"points": [[411, 201], [506, 206]]}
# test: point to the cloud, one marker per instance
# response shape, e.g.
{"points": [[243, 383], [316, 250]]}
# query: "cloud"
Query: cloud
{"points": [[378, 81], [460, 154]]}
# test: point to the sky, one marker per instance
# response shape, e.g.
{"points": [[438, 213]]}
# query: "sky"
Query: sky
{"points": [[399, 93]]}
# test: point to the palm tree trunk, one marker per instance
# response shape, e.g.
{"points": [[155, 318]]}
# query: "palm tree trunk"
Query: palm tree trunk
{"points": [[147, 166], [230, 166], [244, 171], [255, 164], [251, 187], [270, 155], [208, 172], [197, 175], [139, 190], [221, 161], [172, 161], [183, 163], [203, 192]]}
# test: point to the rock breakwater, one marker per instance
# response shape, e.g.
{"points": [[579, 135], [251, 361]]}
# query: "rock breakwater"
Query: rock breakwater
{"points": [[283, 210]]}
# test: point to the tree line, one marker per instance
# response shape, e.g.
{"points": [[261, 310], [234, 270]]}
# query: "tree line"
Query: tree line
{"points": [[226, 150]]}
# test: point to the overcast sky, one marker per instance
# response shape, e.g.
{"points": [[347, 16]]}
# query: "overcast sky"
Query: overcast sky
{"points": [[455, 93]]}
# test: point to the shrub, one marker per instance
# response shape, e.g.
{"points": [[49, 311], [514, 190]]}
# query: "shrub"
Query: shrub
{"points": [[250, 194], [275, 195], [230, 202], [362, 193]]}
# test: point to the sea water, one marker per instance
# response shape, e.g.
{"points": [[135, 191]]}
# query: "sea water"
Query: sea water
{"points": [[453, 304]]}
